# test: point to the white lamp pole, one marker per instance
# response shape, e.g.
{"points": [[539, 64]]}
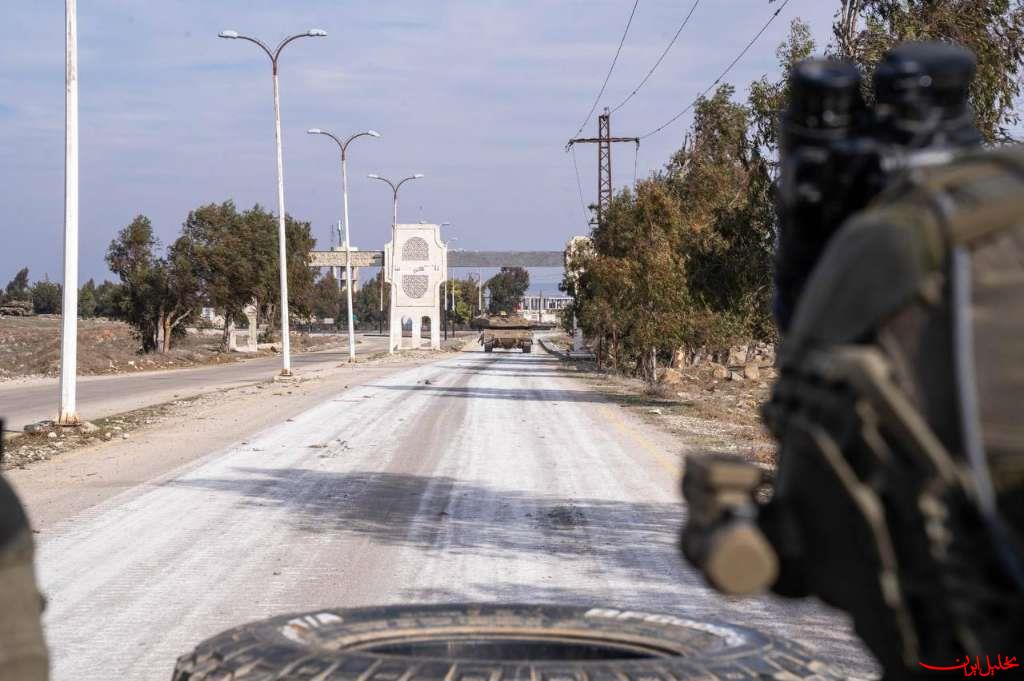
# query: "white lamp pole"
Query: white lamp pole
{"points": [[444, 294], [394, 239], [348, 247], [67, 414], [286, 361]]}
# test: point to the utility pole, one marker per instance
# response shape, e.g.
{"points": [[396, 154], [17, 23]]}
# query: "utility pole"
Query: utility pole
{"points": [[604, 142], [67, 413]]}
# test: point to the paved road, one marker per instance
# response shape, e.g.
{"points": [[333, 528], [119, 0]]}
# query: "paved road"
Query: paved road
{"points": [[100, 396], [502, 479]]}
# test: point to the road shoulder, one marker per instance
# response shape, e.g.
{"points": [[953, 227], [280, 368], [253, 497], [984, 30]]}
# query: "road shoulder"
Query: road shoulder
{"points": [[700, 413], [188, 432]]}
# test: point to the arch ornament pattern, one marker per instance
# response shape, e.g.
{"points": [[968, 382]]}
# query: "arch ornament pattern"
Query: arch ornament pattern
{"points": [[415, 285], [415, 248]]}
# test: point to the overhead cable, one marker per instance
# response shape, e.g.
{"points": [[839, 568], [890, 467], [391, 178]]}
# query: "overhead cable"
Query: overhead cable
{"points": [[579, 187], [610, 69], [722, 75], [660, 59]]}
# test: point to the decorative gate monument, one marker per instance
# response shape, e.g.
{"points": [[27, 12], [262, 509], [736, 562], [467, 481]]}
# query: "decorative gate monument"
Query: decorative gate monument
{"points": [[415, 276], [421, 268]]}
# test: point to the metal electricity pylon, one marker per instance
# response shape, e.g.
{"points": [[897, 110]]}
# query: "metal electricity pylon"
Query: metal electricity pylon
{"points": [[604, 142]]}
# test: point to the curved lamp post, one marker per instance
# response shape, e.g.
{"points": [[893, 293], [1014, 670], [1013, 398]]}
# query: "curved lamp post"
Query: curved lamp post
{"points": [[275, 55], [394, 237], [348, 248]]}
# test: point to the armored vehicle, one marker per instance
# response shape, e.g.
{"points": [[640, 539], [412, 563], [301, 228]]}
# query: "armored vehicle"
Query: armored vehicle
{"points": [[505, 331]]}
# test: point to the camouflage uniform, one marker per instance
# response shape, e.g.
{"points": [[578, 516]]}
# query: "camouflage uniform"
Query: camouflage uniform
{"points": [[22, 650], [900, 488]]}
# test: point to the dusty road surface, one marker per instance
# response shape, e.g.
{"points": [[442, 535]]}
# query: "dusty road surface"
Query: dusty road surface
{"points": [[29, 401], [493, 477]]}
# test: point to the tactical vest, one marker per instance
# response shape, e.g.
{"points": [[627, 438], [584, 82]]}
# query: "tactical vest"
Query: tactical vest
{"points": [[900, 487]]}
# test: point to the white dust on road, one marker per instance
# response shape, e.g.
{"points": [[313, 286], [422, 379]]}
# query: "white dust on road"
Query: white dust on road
{"points": [[499, 480]]}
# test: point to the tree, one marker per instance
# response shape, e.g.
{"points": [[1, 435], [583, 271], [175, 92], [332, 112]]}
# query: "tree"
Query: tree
{"points": [[465, 294], [159, 294], [227, 258], [87, 299], [467, 299], [17, 288], [46, 297], [631, 290], [685, 257], [301, 277], [235, 256], [507, 288], [722, 182], [327, 300], [109, 300], [769, 97], [865, 29], [366, 304]]}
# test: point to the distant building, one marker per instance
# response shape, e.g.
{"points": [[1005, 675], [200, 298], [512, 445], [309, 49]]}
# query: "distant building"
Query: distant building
{"points": [[543, 309], [210, 315]]}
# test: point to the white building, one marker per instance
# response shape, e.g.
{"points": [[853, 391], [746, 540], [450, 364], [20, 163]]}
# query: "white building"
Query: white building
{"points": [[544, 309]]}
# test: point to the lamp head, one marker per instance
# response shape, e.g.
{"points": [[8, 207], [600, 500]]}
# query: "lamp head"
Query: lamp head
{"points": [[418, 175], [374, 176], [228, 34], [314, 131], [373, 133], [316, 33]]}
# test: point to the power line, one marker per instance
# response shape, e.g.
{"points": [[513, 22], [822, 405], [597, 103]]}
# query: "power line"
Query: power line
{"points": [[610, 69], [579, 186], [722, 75], [662, 57], [636, 162]]}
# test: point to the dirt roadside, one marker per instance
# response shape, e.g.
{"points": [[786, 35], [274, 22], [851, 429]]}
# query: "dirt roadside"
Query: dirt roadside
{"points": [[706, 413], [148, 445], [30, 349]]}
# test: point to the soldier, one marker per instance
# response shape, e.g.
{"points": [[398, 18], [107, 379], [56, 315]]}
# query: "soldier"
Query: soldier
{"points": [[899, 493], [22, 650]]}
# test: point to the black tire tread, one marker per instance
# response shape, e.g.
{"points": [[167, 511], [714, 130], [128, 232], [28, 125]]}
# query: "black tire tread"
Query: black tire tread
{"points": [[259, 651]]}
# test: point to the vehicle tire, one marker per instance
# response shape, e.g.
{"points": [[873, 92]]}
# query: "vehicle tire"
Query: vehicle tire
{"points": [[488, 348], [494, 642], [527, 348]]}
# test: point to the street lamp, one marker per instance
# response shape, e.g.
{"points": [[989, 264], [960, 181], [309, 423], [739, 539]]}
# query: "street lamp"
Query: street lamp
{"points": [[479, 292], [348, 247], [67, 411], [275, 54], [444, 295], [449, 289], [394, 240]]}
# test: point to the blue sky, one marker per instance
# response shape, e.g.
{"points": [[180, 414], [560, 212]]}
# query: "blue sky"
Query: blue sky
{"points": [[479, 95]]}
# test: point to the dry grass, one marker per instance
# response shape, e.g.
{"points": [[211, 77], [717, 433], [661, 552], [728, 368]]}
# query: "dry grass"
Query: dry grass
{"points": [[30, 346], [708, 414]]}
